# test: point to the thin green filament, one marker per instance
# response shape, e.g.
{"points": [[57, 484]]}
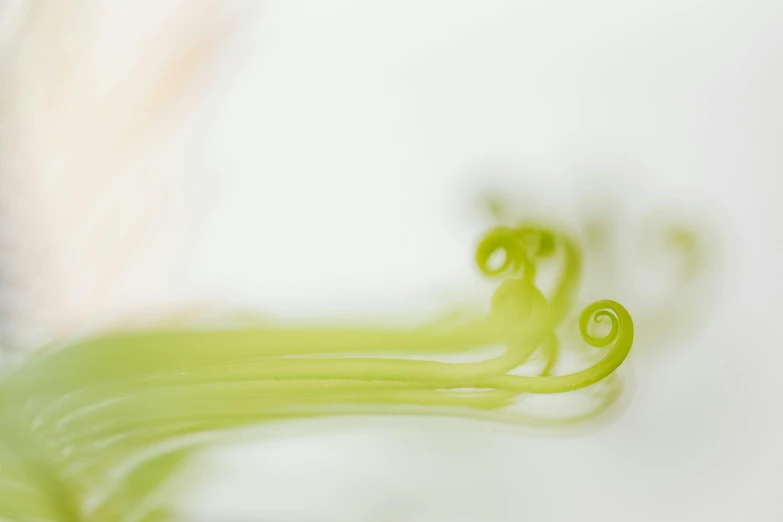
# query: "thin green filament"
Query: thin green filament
{"points": [[78, 421]]}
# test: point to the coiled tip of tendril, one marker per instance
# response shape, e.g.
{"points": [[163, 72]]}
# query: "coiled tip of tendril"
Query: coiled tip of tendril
{"points": [[498, 253], [596, 313], [505, 251]]}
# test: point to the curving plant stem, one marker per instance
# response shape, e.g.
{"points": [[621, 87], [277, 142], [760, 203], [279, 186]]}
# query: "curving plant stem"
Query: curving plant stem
{"points": [[98, 426]]}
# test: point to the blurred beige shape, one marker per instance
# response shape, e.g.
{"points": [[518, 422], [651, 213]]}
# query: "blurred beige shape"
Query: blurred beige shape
{"points": [[94, 157]]}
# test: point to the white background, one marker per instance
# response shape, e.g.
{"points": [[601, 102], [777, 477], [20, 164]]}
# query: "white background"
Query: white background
{"points": [[353, 134], [334, 174]]}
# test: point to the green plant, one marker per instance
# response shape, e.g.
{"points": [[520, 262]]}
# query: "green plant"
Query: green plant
{"points": [[94, 430]]}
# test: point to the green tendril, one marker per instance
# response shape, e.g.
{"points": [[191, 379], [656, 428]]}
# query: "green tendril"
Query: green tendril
{"points": [[93, 429]]}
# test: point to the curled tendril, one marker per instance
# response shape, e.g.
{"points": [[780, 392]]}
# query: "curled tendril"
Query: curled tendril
{"points": [[72, 416], [502, 242], [522, 247], [520, 251], [596, 313], [620, 337], [514, 252]]}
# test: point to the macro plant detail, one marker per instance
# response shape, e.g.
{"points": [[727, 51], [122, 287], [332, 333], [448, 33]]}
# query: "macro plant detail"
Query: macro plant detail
{"points": [[94, 430], [664, 264]]}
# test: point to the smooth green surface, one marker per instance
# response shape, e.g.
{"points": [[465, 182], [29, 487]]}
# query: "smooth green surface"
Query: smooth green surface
{"points": [[93, 431]]}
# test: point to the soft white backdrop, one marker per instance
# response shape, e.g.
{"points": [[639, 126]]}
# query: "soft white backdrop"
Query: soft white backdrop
{"points": [[337, 156], [353, 134]]}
